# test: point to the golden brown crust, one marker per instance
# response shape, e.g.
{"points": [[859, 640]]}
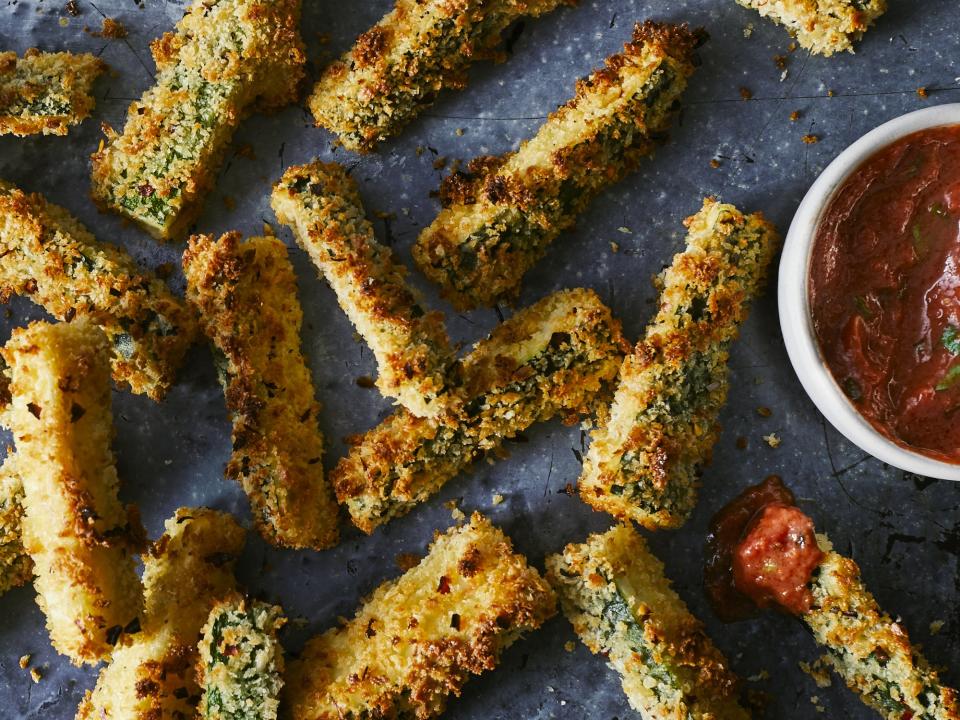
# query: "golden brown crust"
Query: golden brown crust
{"points": [[75, 529], [16, 567], [47, 255], [46, 93], [246, 295], [419, 638]]}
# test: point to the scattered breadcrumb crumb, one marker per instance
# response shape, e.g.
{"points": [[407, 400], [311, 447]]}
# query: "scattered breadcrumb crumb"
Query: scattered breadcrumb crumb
{"points": [[569, 646], [35, 674], [773, 440], [714, 163], [935, 627], [24, 661], [792, 47], [811, 139], [922, 93], [460, 132], [614, 247], [748, 30], [780, 61], [111, 29], [764, 411], [830, 93], [745, 93], [72, 8], [816, 704], [498, 499], [819, 671], [762, 675], [625, 230], [455, 512], [794, 116]]}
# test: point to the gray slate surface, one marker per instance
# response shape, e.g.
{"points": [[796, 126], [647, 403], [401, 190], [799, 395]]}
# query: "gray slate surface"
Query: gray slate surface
{"points": [[904, 531]]}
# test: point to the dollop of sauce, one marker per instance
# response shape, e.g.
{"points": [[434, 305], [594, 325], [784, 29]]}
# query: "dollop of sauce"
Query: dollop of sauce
{"points": [[884, 290], [761, 552]]}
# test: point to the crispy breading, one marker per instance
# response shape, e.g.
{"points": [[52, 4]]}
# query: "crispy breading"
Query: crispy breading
{"points": [[871, 651], [498, 221], [822, 26], [46, 93], [398, 67], [16, 567], [644, 462], [224, 59], [613, 591], [246, 295], [241, 661], [75, 529], [321, 203], [557, 357], [418, 638], [47, 255], [185, 573]]}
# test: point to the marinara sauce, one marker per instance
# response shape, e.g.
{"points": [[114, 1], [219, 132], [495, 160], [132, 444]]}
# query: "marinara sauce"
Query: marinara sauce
{"points": [[761, 552], [884, 283]]}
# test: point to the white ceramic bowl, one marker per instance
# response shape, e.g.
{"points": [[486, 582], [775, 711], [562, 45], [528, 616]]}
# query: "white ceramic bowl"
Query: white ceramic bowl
{"points": [[794, 301]]}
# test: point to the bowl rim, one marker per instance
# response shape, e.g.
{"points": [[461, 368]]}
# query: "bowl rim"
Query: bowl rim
{"points": [[793, 301]]}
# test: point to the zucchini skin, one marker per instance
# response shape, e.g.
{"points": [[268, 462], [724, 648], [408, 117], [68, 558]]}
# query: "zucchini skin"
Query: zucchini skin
{"points": [[396, 68], [824, 27], [643, 464], [48, 256], [46, 93], [419, 638], [558, 356], [241, 661], [224, 59], [321, 204], [78, 534], [245, 293], [497, 222], [871, 651], [185, 573]]}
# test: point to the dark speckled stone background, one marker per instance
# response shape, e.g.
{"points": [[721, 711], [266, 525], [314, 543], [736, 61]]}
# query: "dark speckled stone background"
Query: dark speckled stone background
{"points": [[903, 530]]}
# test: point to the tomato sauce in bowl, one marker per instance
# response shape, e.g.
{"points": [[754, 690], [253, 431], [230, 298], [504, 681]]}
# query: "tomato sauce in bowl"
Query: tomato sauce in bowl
{"points": [[884, 291]]}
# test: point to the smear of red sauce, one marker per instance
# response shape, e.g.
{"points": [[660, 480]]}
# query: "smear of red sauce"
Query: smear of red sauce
{"points": [[761, 552], [885, 290]]}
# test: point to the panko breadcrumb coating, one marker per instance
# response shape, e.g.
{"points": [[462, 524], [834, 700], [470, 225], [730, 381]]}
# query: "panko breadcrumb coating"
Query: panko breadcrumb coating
{"points": [[822, 26], [419, 638], [614, 593], [644, 462], [557, 357], [241, 661], [398, 67], [46, 93], [47, 255], [870, 650], [224, 59], [321, 203], [186, 572], [16, 567], [79, 536], [498, 221], [246, 295]]}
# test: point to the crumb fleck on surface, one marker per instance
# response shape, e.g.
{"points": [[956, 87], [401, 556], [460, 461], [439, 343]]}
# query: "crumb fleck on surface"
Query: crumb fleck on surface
{"points": [[714, 163], [569, 646], [745, 93], [24, 661], [72, 8], [935, 627], [773, 440], [614, 247], [111, 29], [794, 116], [810, 139], [764, 411], [498, 499], [922, 93], [36, 675]]}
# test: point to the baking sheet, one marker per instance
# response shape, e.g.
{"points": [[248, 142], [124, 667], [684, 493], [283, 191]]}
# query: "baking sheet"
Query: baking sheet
{"points": [[903, 530]]}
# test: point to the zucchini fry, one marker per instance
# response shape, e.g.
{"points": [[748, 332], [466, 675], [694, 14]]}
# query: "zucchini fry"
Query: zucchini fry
{"points": [[46, 93], [185, 573], [320, 202], [615, 594], [246, 296], [224, 58], [16, 567], [558, 356], [47, 255], [418, 638], [241, 661], [80, 537], [397, 67], [824, 27], [643, 463], [498, 221], [871, 651]]}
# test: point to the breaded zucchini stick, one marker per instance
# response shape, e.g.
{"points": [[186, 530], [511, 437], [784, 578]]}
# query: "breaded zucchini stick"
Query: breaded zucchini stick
{"points": [[418, 638], [320, 202], [47, 255], [398, 67], [186, 572], [246, 296], [614, 593], [871, 651], [497, 222], [75, 529], [16, 567], [558, 356], [643, 463], [822, 26], [224, 58], [45, 93], [241, 661]]}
